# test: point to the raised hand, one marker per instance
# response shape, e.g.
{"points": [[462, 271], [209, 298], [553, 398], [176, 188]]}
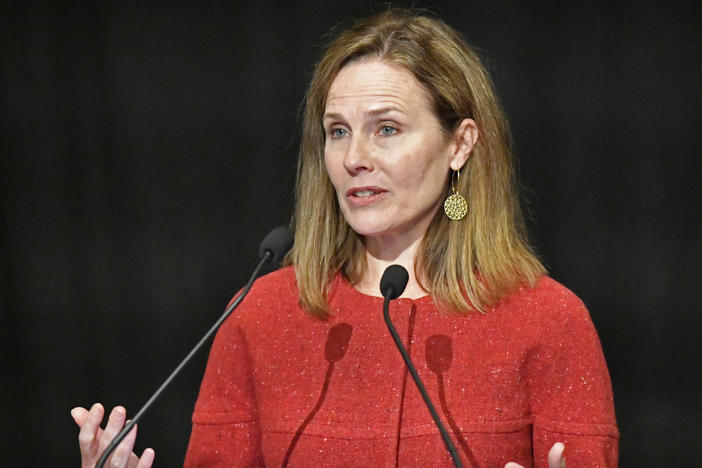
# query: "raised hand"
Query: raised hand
{"points": [[93, 440]]}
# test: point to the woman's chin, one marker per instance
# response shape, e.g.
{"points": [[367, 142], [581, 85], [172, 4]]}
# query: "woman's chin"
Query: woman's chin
{"points": [[368, 232], [379, 233]]}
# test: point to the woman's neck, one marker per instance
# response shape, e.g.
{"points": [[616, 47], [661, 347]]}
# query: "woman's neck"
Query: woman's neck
{"points": [[380, 254]]}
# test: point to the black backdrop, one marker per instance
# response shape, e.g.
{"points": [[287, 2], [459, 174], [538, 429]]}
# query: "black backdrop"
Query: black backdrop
{"points": [[146, 149]]}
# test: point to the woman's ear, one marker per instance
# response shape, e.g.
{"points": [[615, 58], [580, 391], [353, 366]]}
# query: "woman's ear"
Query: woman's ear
{"points": [[464, 137]]}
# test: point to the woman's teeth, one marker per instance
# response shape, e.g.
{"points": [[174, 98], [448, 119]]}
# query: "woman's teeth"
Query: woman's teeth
{"points": [[364, 193]]}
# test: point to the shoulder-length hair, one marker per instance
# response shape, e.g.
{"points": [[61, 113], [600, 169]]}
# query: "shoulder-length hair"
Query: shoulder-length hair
{"points": [[465, 265]]}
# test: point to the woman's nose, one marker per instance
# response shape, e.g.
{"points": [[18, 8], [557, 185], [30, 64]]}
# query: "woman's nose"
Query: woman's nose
{"points": [[358, 155]]}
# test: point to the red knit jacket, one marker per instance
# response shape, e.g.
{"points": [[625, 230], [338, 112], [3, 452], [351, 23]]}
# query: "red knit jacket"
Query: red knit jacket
{"points": [[284, 389]]}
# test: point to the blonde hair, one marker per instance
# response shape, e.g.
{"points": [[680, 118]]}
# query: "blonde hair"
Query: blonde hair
{"points": [[464, 265]]}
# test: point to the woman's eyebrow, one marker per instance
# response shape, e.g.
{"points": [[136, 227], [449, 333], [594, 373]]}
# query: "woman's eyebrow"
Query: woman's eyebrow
{"points": [[332, 116], [383, 110]]}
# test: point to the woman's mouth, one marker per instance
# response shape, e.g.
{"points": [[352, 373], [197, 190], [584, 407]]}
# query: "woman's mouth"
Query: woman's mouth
{"points": [[364, 195]]}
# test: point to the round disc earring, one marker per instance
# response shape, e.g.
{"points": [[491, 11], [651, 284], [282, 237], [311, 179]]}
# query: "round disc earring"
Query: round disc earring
{"points": [[455, 205]]}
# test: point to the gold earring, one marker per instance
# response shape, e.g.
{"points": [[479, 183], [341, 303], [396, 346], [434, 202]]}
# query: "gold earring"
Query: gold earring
{"points": [[455, 205]]}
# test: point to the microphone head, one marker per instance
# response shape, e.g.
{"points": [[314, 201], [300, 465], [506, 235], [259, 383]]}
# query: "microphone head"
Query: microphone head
{"points": [[393, 282], [277, 242]]}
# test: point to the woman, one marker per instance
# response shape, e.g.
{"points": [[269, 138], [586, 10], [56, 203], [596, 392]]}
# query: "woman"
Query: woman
{"points": [[401, 117]]}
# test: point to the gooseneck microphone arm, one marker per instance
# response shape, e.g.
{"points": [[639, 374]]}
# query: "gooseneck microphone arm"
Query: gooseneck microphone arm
{"points": [[392, 284], [272, 249]]}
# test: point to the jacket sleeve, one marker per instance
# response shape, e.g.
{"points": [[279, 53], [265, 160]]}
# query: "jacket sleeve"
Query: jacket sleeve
{"points": [[570, 389], [225, 421]]}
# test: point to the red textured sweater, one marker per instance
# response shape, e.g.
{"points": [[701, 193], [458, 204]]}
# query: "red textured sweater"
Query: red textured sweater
{"points": [[284, 389]]}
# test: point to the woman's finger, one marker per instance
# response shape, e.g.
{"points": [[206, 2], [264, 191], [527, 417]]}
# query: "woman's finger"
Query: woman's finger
{"points": [[79, 414], [115, 423], [555, 456], [147, 459], [122, 456], [87, 437]]}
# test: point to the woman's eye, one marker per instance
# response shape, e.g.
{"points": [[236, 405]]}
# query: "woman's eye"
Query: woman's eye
{"points": [[338, 133], [387, 130]]}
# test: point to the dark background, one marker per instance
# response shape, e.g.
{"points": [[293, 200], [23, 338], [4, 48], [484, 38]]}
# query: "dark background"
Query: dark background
{"points": [[147, 148]]}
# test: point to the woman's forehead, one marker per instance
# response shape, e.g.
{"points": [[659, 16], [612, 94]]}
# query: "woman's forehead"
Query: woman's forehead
{"points": [[375, 86]]}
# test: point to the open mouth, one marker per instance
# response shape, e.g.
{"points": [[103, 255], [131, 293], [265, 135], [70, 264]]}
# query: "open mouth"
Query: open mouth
{"points": [[365, 195], [364, 192]]}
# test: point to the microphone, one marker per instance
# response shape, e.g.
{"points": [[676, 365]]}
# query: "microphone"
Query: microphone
{"points": [[272, 249], [393, 282], [392, 285], [276, 243]]}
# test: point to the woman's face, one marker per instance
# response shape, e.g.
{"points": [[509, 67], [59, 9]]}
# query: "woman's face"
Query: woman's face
{"points": [[385, 151]]}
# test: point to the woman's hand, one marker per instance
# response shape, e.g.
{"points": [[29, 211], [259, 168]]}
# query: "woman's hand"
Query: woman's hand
{"points": [[93, 439], [555, 458]]}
